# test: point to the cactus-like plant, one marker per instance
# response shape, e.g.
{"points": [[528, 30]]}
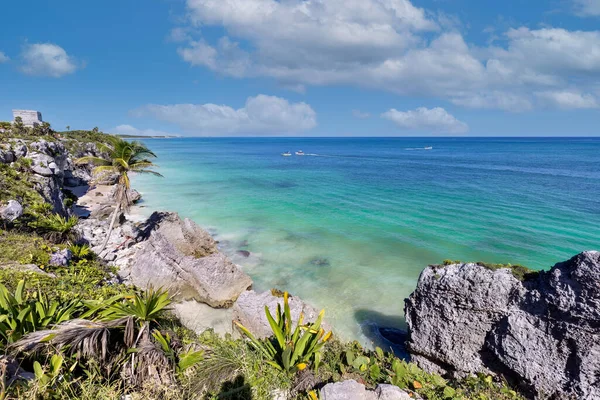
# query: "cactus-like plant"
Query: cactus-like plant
{"points": [[291, 349]]}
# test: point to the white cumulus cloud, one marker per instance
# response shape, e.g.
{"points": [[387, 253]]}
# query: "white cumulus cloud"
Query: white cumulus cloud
{"points": [[587, 8], [434, 120], [389, 45], [261, 115], [131, 130], [3, 58], [47, 59]]}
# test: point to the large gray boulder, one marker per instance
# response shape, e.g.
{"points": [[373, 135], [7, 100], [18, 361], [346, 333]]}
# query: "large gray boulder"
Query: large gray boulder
{"points": [[179, 256], [249, 310], [352, 390], [11, 211], [185, 235], [543, 333], [6, 156]]}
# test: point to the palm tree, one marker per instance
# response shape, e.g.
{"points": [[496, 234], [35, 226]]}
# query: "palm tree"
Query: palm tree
{"points": [[122, 157], [68, 127]]}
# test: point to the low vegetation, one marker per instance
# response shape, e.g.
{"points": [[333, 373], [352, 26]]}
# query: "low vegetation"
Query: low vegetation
{"points": [[520, 272]]}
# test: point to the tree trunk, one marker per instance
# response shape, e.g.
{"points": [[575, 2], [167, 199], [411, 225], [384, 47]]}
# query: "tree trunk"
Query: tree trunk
{"points": [[111, 226]]}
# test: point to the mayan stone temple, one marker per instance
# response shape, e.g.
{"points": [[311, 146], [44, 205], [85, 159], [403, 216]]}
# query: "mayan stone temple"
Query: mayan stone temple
{"points": [[29, 117]]}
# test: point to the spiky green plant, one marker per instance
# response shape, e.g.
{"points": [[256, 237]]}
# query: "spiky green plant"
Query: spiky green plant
{"points": [[293, 348], [120, 331], [57, 228], [80, 251], [122, 158], [20, 315]]}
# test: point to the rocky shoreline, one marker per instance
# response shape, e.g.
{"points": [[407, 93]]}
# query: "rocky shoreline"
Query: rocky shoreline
{"points": [[541, 332]]}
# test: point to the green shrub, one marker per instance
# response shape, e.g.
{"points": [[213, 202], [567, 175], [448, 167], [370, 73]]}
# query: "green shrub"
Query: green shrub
{"points": [[57, 228], [20, 315], [81, 252]]}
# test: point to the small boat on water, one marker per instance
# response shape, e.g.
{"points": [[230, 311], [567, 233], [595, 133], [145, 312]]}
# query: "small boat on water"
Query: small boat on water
{"points": [[299, 153], [428, 148], [287, 154]]}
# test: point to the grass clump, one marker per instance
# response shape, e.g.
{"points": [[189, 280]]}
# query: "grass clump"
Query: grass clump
{"points": [[520, 272]]}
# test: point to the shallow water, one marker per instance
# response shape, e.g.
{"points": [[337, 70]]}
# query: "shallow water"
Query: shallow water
{"points": [[350, 227]]}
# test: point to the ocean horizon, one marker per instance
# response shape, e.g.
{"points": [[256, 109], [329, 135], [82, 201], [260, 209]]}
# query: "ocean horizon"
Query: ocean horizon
{"points": [[349, 226]]}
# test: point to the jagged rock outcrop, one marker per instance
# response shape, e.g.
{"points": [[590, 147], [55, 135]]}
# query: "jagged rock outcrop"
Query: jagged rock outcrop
{"points": [[249, 310], [213, 279], [352, 390], [48, 163], [185, 235], [11, 211], [542, 333]]}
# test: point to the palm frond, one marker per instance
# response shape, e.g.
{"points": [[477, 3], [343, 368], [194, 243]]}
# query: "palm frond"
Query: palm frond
{"points": [[148, 171], [78, 336], [104, 168], [92, 160]]}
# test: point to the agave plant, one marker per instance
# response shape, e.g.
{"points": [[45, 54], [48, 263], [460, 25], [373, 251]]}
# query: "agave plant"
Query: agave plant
{"points": [[20, 316], [293, 349], [80, 251], [57, 228], [120, 332]]}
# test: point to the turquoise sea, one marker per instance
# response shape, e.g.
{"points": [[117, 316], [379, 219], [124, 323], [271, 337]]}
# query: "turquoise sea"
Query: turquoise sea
{"points": [[349, 226]]}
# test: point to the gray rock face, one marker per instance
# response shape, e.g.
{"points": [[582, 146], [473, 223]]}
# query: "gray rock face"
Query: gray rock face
{"points": [[49, 162], [7, 156], [50, 188], [185, 235], [172, 253], [11, 211], [543, 333], [249, 311], [352, 390]]}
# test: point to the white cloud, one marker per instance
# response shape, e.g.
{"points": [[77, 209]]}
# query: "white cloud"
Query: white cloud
{"points": [[388, 45], [131, 130], [3, 58], [568, 100], [434, 120], [587, 8], [47, 59], [360, 115], [261, 115]]}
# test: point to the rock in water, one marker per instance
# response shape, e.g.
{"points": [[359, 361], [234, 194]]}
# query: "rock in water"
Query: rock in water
{"points": [[543, 333], [11, 211]]}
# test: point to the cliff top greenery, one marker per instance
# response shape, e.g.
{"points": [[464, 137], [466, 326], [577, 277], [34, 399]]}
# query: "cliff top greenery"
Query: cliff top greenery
{"points": [[520, 272]]}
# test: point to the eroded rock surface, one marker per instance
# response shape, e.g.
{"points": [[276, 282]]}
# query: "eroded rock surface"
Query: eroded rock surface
{"points": [[352, 390], [543, 333]]}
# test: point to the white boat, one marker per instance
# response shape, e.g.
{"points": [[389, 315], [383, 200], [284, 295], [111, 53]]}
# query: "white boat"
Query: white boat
{"points": [[429, 148], [299, 153], [286, 154]]}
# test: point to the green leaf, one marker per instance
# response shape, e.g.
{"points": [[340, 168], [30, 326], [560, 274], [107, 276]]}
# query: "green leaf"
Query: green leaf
{"points": [[374, 371], [449, 392], [275, 328]]}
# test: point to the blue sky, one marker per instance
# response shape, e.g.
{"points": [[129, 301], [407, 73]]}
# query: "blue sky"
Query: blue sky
{"points": [[306, 67]]}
